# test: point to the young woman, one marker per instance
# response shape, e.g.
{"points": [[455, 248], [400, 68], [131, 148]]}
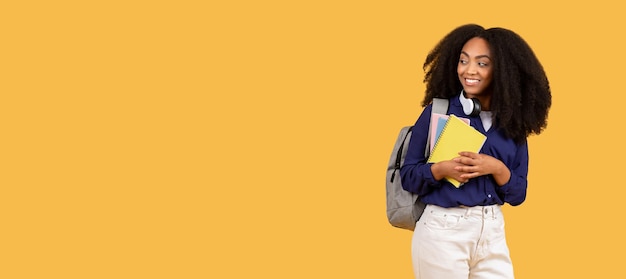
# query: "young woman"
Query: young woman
{"points": [[494, 73]]}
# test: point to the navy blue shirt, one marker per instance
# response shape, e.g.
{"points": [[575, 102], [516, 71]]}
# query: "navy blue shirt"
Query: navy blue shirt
{"points": [[483, 190]]}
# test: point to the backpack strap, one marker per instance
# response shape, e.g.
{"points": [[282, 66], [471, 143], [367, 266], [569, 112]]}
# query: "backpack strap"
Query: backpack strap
{"points": [[440, 106], [399, 158]]}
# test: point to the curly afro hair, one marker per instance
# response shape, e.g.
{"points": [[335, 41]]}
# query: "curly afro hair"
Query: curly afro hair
{"points": [[521, 92]]}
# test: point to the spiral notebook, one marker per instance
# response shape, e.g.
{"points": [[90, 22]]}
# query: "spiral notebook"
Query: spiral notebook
{"points": [[456, 136], [437, 121]]}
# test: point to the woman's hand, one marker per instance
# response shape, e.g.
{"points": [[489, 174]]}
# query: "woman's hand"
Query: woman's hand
{"points": [[444, 169], [471, 165]]}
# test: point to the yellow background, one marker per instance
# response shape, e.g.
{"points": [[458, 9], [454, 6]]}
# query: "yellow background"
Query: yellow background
{"points": [[249, 139]]}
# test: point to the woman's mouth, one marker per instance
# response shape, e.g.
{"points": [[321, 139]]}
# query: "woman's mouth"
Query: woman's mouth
{"points": [[469, 81]]}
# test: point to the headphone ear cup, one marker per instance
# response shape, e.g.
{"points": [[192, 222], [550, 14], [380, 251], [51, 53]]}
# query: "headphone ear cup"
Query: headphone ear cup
{"points": [[476, 107]]}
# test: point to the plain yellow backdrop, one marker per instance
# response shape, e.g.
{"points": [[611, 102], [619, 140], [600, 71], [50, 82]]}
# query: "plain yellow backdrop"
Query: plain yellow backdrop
{"points": [[249, 139]]}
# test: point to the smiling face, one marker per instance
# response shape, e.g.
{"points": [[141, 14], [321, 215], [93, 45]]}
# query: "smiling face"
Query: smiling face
{"points": [[475, 68]]}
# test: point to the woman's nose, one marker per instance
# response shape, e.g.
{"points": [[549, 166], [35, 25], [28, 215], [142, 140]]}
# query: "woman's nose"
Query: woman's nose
{"points": [[471, 69]]}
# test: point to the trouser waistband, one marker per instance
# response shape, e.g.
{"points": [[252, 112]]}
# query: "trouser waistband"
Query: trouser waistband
{"points": [[485, 211]]}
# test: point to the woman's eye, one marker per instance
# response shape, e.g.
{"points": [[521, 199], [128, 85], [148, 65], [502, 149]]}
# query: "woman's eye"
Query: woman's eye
{"points": [[462, 61], [482, 64]]}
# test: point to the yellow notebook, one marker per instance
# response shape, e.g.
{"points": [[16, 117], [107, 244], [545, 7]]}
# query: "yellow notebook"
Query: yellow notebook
{"points": [[455, 137]]}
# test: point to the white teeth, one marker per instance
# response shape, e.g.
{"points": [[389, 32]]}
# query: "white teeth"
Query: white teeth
{"points": [[471, 80]]}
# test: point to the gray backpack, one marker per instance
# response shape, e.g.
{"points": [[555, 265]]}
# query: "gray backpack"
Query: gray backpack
{"points": [[403, 207]]}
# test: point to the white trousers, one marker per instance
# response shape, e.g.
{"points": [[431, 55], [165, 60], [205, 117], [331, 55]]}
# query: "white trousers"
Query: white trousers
{"points": [[461, 242]]}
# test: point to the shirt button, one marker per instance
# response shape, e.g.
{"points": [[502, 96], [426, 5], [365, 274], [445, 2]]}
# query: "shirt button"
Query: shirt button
{"points": [[489, 196]]}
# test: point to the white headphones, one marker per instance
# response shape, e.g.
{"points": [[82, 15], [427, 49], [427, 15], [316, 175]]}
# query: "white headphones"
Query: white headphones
{"points": [[471, 106]]}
